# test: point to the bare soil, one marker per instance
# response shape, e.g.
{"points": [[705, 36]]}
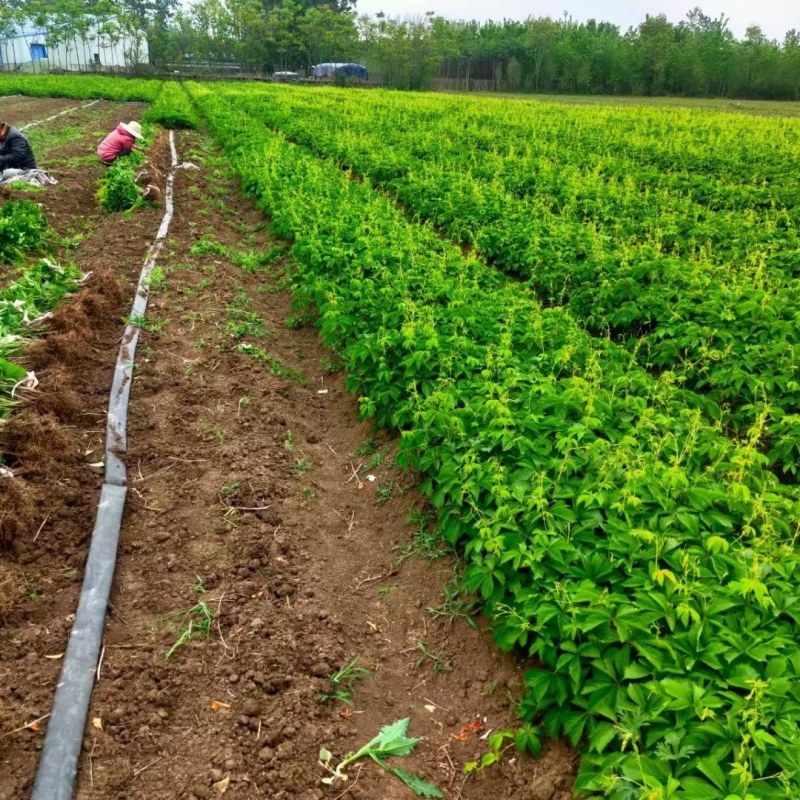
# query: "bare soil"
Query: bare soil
{"points": [[261, 510], [20, 111]]}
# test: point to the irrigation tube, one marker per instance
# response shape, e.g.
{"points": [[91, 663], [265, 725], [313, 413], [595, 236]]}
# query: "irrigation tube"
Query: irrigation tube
{"points": [[58, 766], [56, 116]]}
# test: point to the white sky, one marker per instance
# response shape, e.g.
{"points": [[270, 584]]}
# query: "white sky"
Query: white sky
{"points": [[775, 17]]}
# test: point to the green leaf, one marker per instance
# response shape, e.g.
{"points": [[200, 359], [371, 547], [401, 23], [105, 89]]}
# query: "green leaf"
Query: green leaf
{"points": [[12, 371], [635, 671], [602, 734], [418, 785], [711, 769], [392, 741], [698, 789]]}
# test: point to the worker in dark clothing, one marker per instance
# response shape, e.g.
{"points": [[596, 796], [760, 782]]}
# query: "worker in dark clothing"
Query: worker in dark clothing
{"points": [[15, 150]]}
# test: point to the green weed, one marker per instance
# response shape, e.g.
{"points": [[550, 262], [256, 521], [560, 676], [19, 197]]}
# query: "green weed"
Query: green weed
{"points": [[302, 465], [343, 682], [275, 366], [195, 623], [206, 246], [458, 604], [149, 324], [229, 488], [438, 663]]}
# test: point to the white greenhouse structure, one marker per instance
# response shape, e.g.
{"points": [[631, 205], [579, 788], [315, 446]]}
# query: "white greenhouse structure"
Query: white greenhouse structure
{"points": [[97, 49]]}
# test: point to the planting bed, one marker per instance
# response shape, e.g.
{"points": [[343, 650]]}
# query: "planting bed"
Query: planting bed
{"points": [[296, 588]]}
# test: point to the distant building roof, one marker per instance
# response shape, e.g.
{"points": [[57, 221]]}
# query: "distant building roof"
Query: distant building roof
{"points": [[341, 67]]}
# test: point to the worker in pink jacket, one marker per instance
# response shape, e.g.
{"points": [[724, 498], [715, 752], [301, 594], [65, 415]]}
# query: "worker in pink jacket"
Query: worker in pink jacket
{"points": [[119, 142]]}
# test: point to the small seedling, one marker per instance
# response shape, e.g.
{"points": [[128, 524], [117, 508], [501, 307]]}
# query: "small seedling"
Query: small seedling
{"points": [[366, 447], [245, 324], [288, 442], [391, 741], [208, 246], [229, 488], [157, 277], [199, 584], [276, 367], [383, 591], [244, 401], [197, 621], [297, 321], [457, 605], [70, 243], [307, 491], [438, 663], [146, 323], [343, 683], [427, 541], [302, 465], [526, 739], [383, 494], [375, 460], [30, 590], [331, 365]]}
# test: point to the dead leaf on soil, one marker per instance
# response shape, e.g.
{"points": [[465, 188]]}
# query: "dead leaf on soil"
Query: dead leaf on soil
{"points": [[98, 723], [55, 656], [222, 786], [471, 727], [218, 705], [35, 726]]}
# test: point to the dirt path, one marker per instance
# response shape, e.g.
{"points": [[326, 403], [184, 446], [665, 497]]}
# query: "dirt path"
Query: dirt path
{"points": [[244, 518]]}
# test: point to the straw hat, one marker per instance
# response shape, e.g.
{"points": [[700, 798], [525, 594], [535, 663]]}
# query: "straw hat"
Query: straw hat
{"points": [[133, 128]]}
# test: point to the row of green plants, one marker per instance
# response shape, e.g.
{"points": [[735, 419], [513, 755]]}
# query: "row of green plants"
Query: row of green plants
{"points": [[587, 164], [645, 560], [674, 148], [29, 288], [171, 108], [710, 295], [80, 87]]}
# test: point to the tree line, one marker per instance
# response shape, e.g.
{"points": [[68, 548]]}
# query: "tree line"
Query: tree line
{"points": [[699, 56]]}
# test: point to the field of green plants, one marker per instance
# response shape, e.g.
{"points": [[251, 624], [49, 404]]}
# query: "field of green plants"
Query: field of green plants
{"points": [[601, 393], [583, 322]]}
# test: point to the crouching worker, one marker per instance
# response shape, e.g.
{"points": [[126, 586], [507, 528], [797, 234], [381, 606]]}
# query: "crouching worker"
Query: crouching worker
{"points": [[119, 142], [15, 150]]}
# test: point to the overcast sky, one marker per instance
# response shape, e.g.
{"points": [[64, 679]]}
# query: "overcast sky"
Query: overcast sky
{"points": [[774, 16]]}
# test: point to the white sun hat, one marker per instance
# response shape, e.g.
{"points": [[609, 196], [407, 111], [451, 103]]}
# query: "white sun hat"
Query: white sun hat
{"points": [[133, 128]]}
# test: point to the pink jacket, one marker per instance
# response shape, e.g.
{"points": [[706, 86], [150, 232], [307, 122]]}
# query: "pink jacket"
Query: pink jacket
{"points": [[117, 143]]}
